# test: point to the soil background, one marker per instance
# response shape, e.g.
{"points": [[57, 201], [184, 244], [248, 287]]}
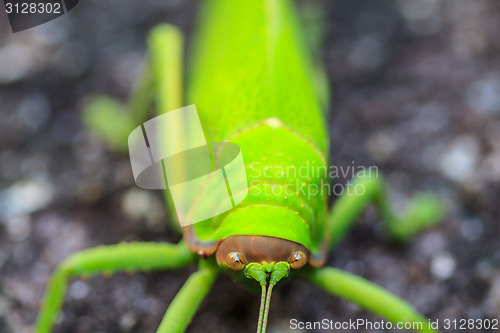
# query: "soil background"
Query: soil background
{"points": [[415, 89]]}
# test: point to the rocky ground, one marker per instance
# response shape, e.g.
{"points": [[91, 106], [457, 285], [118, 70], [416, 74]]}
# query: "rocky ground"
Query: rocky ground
{"points": [[416, 91]]}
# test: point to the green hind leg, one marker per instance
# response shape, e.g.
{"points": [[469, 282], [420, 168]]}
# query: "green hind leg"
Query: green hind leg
{"points": [[423, 210], [182, 309], [369, 296], [162, 78], [126, 257]]}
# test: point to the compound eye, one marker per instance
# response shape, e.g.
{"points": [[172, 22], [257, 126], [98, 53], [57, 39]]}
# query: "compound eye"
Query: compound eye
{"points": [[297, 259], [235, 261]]}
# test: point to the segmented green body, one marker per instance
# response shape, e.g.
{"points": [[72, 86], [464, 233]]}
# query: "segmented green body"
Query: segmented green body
{"points": [[253, 84]]}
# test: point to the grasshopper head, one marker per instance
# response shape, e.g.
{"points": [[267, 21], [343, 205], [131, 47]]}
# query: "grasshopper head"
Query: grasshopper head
{"points": [[236, 252], [263, 259]]}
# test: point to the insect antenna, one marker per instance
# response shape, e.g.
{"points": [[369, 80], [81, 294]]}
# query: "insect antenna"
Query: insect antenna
{"points": [[266, 309], [280, 270], [257, 272], [261, 309]]}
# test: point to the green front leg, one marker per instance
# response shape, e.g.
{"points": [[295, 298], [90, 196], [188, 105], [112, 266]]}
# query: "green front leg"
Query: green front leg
{"points": [[182, 309], [423, 210], [126, 257], [367, 295]]}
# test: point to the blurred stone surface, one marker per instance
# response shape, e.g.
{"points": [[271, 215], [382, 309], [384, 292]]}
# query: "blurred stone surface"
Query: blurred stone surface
{"points": [[414, 88]]}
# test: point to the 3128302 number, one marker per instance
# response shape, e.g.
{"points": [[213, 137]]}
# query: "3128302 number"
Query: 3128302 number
{"points": [[33, 8], [469, 324]]}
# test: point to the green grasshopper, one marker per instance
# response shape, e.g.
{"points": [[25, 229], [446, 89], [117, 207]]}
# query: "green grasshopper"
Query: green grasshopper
{"points": [[254, 84]]}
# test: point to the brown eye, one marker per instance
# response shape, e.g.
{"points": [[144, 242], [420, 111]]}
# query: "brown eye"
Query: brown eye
{"points": [[297, 259], [235, 261]]}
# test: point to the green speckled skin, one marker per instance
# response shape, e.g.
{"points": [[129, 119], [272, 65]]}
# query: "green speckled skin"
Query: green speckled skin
{"points": [[252, 80]]}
